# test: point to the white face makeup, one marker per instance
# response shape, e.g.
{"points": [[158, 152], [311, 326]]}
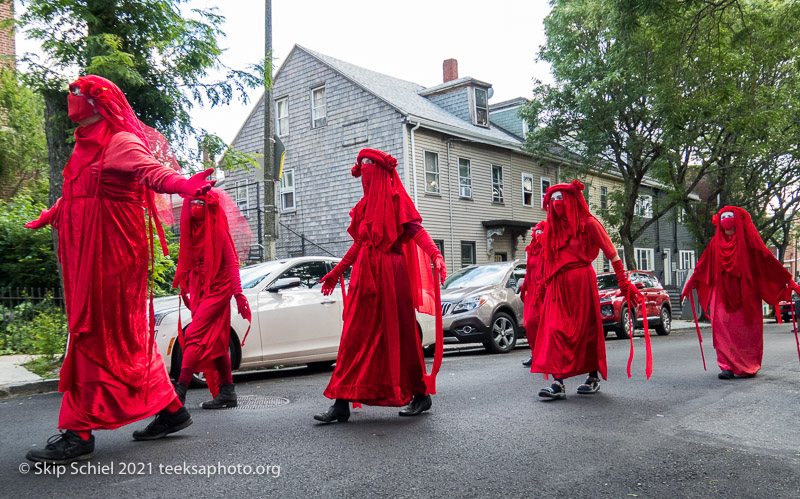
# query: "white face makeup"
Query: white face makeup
{"points": [[367, 161], [726, 214], [538, 232], [557, 195]]}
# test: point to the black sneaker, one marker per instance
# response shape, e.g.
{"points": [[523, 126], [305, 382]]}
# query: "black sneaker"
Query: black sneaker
{"points": [[64, 448], [527, 363], [164, 424], [591, 385], [725, 374], [553, 392]]}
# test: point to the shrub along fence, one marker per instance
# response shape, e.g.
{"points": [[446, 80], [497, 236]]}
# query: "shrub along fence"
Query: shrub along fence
{"points": [[32, 321]]}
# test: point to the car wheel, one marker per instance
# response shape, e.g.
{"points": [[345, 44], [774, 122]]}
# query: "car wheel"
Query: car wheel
{"points": [[623, 330], [502, 334], [665, 326]]}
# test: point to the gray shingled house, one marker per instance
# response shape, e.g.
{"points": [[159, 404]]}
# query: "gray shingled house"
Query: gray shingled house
{"points": [[462, 161]]}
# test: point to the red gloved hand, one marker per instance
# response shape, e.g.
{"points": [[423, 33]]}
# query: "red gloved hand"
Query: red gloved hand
{"points": [[185, 298], [629, 291], [40, 222], [197, 184], [243, 306], [687, 290], [438, 264], [794, 287], [329, 281]]}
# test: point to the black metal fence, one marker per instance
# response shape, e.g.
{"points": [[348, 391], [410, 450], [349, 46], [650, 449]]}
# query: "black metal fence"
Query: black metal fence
{"points": [[32, 320]]}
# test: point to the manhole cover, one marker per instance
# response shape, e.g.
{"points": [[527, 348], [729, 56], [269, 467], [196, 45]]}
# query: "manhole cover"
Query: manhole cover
{"points": [[260, 401]]}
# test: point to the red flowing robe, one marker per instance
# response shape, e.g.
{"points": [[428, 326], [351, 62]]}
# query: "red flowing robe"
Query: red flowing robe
{"points": [[209, 334], [570, 338], [732, 277], [113, 373], [380, 359], [534, 271]]}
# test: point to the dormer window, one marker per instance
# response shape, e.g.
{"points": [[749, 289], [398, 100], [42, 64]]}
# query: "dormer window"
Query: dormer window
{"points": [[481, 107]]}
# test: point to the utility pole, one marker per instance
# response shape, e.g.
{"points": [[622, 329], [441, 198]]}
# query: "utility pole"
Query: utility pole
{"points": [[269, 148]]}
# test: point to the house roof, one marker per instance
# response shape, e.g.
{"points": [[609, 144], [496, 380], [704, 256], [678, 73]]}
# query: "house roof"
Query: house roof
{"points": [[404, 97], [449, 85], [507, 104]]}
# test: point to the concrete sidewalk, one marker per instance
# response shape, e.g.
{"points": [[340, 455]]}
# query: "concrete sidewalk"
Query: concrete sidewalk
{"points": [[16, 380]]}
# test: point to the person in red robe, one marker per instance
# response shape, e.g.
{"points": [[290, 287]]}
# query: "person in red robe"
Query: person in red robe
{"points": [[113, 373], [208, 274], [380, 359], [529, 291], [570, 338], [734, 274]]}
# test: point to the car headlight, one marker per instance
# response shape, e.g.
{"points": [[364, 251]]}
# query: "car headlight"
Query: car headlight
{"points": [[471, 304], [605, 300]]}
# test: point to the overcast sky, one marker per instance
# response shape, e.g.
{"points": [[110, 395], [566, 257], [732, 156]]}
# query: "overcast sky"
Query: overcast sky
{"points": [[494, 41]]}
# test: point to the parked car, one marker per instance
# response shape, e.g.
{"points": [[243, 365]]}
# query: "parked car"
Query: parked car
{"points": [[614, 309], [786, 308], [293, 322], [480, 305]]}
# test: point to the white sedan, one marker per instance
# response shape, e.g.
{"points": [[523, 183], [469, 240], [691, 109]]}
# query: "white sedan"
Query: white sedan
{"points": [[293, 322]]}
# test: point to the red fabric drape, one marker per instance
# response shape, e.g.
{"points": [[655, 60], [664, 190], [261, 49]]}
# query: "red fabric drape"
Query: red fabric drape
{"points": [[570, 338], [380, 359], [733, 275]]}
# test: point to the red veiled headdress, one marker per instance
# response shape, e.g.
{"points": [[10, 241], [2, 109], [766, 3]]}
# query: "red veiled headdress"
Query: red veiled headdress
{"points": [[223, 220], [535, 247], [744, 256], [559, 231], [109, 101]]}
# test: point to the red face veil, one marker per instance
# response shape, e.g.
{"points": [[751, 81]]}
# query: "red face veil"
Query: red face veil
{"points": [[78, 106]]}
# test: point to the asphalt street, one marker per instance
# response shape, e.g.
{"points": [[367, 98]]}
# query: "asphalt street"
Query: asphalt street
{"points": [[683, 433]]}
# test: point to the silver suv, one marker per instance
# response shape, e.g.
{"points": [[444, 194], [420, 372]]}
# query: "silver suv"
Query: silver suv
{"points": [[480, 305]]}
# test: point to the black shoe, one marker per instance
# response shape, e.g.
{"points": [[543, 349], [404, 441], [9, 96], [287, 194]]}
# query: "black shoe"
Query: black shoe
{"points": [[64, 448], [225, 398], [418, 405], [725, 374], [591, 385], [164, 424], [180, 391], [527, 363], [339, 411], [553, 392]]}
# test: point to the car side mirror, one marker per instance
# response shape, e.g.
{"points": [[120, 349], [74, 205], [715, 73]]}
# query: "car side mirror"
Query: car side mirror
{"points": [[284, 283], [518, 287], [639, 285]]}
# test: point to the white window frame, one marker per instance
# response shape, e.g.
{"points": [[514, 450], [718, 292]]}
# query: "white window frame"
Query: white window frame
{"points": [[282, 131], [527, 176], [525, 128], [542, 189], [438, 173], [286, 190], [603, 197], [502, 184], [644, 206], [474, 249], [486, 109], [650, 255], [242, 201], [686, 256], [319, 112], [465, 183]]}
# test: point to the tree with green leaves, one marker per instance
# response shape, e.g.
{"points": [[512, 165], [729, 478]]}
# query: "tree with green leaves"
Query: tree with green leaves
{"points": [[23, 150], [160, 56], [680, 91]]}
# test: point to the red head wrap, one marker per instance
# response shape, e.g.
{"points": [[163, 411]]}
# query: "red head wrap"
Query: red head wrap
{"points": [[560, 229]]}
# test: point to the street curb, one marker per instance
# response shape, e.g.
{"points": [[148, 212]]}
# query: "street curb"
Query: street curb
{"points": [[30, 388]]}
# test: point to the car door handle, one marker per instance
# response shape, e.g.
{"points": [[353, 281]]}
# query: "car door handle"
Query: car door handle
{"points": [[328, 302]]}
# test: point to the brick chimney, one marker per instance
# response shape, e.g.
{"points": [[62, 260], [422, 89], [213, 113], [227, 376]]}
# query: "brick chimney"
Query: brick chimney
{"points": [[450, 70]]}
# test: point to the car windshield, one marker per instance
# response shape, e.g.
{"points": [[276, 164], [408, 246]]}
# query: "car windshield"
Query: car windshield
{"points": [[477, 277], [607, 281], [254, 274]]}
